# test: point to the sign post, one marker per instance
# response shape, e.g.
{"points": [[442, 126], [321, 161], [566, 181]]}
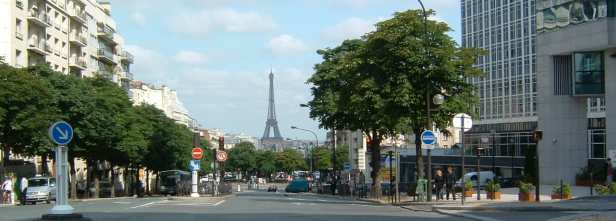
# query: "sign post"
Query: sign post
{"points": [[197, 154], [61, 133]]}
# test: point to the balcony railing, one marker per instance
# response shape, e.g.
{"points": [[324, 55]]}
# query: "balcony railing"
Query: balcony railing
{"points": [[78, 38], [78, 15], [127, 56], [39, 18], [105, 32], [79, 62], [103, 53]]}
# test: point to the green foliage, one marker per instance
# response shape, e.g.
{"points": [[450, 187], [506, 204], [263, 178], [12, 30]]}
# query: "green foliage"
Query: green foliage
{"points": [[493, 186], [379, 84], [526, 187], [602, 190], [566, 189], [290, 160], [468, 185]]}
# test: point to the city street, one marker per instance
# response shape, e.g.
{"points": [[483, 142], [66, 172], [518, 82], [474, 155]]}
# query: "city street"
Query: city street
{"points": [[243, 206]]}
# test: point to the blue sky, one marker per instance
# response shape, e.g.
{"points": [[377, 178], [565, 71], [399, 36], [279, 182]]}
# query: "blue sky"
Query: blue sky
{"points": [[217, 53]]}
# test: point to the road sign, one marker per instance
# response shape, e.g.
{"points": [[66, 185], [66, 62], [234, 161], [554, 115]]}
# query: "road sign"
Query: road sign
{"points": [[468, 121], [221, 156], [348, 166], [197, 153], [194, 165], [428, 138], [61, 133]]}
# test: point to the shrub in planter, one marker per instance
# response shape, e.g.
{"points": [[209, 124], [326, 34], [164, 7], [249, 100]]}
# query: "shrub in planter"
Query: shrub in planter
{"points": [[565, 191], [493, 190], [602, 190], [468, 188], [526, 192]]}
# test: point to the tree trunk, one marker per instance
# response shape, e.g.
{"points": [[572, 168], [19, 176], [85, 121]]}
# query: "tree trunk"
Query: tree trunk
{"points": [[44, 166], [418, 154], [375, 146], [7, 153], [113, 179], [73, 180]]}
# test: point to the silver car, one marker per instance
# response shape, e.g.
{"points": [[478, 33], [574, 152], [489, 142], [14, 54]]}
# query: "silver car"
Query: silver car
{"points": [[41, 189]]}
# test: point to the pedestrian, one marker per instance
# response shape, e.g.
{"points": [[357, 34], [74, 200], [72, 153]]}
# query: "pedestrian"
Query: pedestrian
{"points": [[450, 180], [610, 171], [23, 185], [7, 190], [439, 180]]}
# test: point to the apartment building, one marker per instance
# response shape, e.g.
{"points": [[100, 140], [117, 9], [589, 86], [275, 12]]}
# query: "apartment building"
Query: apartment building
{"points": [[163, 98], [507, 112], [77, 37]]}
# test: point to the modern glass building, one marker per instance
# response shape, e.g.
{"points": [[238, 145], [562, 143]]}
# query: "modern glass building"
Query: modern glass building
{"points": [[507, 112]]}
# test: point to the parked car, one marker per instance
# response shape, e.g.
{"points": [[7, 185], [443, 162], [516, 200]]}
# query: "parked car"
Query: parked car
{"points": [[41, 189], [485, 176], [297, 185]]}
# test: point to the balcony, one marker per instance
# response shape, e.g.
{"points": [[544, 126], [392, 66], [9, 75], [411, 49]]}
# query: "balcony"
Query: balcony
{"points": [[105, 56], [78, 15], [78, 62], [106, 33], [128, 57], [39, 18], [38, 46], [78, 39]]}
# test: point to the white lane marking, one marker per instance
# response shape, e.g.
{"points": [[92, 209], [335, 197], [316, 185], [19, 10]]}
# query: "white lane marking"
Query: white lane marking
{"points": [[219, 202], [148, 204]]}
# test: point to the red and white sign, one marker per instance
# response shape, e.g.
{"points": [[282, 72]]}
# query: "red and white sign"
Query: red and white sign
{"points": [[221, 156], [197, 153]]}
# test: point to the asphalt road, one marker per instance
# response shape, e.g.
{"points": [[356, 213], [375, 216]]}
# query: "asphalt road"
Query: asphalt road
{"points": [[241, 207]]}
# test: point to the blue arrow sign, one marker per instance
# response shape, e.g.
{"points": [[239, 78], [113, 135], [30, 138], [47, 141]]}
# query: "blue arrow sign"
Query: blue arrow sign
{"points": [[428, 137], [194, 165], [61, 133]]}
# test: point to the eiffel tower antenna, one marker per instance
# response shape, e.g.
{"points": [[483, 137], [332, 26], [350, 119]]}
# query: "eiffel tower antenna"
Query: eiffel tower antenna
{"points": [[271, 122]]}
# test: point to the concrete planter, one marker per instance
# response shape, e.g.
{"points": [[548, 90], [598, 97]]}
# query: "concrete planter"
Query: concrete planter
{"points": [[559, 197], [526, 197], [468, 193], [494, 195]]}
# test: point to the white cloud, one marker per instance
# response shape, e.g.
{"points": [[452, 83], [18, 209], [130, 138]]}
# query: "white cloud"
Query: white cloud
{"points": [[190, 57], [138, 18], [228, 20], [286, 45], [348, 29]]}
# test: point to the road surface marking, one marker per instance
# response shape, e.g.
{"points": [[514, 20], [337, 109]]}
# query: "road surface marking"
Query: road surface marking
{"points": [[218, 203], [148, 204]]}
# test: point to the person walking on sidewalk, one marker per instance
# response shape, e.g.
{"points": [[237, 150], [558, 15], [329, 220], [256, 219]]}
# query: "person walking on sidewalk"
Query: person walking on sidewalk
{"points": [[439, 180], [7, 190], [450, 180]]}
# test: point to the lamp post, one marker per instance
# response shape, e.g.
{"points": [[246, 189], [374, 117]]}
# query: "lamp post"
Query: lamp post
{"points": [[316, 140]]}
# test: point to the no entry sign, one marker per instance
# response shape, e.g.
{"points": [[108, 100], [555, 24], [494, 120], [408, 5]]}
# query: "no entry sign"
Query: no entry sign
{"points": [[197, 153]]}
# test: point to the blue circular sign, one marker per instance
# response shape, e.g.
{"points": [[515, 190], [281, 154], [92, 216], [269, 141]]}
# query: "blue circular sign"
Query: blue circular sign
{"points": [[61, 133], [428, 137]]}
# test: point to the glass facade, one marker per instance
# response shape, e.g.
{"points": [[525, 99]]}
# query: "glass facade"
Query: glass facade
{"points": [[506, 30], [588, 73]]}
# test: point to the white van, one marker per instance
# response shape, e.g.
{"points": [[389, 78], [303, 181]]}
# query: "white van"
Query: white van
{"points": [[484, 176]]}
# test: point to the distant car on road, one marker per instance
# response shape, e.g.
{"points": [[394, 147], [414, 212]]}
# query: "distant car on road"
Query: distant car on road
{"points": [[41, 189], [298, 185]]}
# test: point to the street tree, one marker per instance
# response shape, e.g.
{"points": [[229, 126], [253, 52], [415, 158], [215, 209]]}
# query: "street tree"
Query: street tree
{"points": [[380, 84]]}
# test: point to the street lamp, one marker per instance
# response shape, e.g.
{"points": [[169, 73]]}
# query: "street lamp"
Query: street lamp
{"points": [[316, 139]]}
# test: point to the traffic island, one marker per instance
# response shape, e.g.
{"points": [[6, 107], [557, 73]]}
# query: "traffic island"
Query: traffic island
{"points": [[65, 217]]}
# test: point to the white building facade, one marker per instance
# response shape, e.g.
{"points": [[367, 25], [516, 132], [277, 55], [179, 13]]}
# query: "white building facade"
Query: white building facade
{"points": [[163, 98], [77, 37]]}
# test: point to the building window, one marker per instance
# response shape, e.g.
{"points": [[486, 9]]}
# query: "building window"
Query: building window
{"points": [[589, 73]]}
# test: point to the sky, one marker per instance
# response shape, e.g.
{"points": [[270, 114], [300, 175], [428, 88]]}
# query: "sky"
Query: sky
{"points": [[217, 54]]}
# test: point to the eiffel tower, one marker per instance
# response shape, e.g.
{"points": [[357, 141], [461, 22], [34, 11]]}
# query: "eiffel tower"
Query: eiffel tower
{"points": [[271, 122]]}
